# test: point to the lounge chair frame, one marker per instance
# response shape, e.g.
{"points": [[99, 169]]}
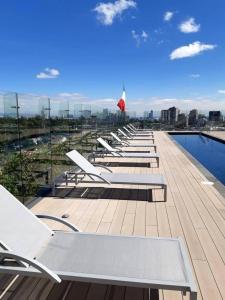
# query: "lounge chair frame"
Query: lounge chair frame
{"points": [[140, 134], [135, 138], [119, 152], [59, 257], [124, 143], [80, 175]]}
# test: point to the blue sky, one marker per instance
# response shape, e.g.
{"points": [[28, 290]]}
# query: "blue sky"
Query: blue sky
{"points": [[168, 52]]}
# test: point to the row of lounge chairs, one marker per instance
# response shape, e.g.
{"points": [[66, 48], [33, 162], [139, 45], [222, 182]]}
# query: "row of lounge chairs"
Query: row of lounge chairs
{"points": [[127, 143], [28, 247], [88, 172]]}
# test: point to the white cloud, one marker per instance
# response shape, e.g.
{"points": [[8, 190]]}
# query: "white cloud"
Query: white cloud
{"points": [[139, 37], [70, 95], [221, 91], [81, 99], [190, 50], [106, 12], [168, 16], [136, 37], [144, 35], [195, 76], [189, 26], [48, 73]]}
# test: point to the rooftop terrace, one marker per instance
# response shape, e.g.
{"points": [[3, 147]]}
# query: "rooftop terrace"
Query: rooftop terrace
{"points": [[193, 211]]}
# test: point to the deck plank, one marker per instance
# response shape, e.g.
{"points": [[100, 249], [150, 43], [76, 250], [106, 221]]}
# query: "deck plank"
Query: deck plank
{"points": [[194, 211]]}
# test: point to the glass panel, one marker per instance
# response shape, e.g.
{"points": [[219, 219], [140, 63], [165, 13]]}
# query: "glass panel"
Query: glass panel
{"points": [[37, 132]]}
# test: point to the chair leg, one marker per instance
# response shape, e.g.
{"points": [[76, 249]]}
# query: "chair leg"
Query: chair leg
{"points": [[157, 159], [165, 193], [193, 295]]}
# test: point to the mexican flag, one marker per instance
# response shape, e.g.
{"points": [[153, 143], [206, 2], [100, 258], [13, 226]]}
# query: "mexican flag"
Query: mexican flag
{"points": [[122, 102]]}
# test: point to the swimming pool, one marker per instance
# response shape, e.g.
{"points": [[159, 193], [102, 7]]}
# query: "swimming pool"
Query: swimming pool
{"points": [[209, 152]]}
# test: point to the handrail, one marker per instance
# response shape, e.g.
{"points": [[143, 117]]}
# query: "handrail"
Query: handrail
{"points": [[31, 262], [60, 220]]}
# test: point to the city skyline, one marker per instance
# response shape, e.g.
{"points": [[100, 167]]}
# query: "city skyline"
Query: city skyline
{"points": [[167, 54]]}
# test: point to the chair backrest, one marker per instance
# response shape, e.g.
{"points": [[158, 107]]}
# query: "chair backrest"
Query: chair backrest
{"points": [[106, 145], [131, 125], [123, 133], [113, 151], [82, 162], [20, 230], [127, 130], [131, 128], [116, 137]]}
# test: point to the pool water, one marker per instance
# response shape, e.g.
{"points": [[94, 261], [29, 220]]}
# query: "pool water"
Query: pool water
{"points": [[209, 152]]}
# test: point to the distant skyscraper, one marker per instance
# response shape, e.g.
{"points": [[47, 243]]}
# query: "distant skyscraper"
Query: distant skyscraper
{"points": [[170, 116], [164, 116], [215, 116], [193, 117], [151, 115], [173, 115], [182, 120]]}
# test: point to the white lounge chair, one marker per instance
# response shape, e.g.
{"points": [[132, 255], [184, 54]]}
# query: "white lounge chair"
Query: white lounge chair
{"points": [[130, 133], [123, 143], [135, 131], [36, 250], [135, 138], [95, 176], [117, 152]]}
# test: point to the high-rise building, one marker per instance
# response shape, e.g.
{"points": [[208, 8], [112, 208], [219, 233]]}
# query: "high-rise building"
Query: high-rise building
{"points": [[170, 116], [173, 115], [151, 115], [182, 120], [164, 116], [215, 116], [193, 117]]}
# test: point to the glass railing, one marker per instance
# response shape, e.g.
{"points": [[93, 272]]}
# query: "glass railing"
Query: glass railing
{"points": [[35, 134]]}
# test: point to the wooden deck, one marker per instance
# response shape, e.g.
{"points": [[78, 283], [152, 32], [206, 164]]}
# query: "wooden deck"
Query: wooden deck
{"points": [[194, 211], [217, 134]]}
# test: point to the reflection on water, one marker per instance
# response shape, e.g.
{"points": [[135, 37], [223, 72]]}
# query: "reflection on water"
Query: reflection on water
{"points": [[210, 153]]}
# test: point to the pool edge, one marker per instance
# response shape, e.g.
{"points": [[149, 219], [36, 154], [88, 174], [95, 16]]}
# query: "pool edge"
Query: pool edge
{"points": [[217, 184]]}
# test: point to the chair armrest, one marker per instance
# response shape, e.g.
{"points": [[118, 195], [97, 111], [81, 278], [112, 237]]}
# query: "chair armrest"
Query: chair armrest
{"points": [[30, 262], [60, 220], [90, 174]]}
